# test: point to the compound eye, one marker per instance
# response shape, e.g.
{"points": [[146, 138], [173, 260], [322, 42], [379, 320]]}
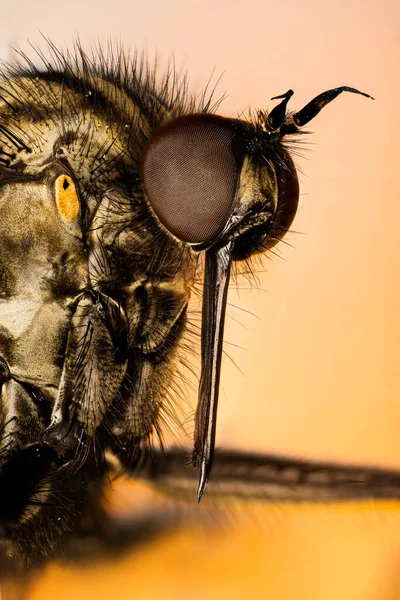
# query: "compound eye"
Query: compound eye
{"points": [[190, 173]]}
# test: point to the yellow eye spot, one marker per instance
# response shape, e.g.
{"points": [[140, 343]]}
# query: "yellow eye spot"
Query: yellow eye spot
{"points": [[67, 198]]}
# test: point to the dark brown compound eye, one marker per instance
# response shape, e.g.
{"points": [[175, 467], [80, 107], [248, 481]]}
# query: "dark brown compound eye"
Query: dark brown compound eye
{"points": [[189, 172]]}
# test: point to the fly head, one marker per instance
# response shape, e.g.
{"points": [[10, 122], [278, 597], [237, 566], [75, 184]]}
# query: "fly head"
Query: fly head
{"points": [[229, 188]]}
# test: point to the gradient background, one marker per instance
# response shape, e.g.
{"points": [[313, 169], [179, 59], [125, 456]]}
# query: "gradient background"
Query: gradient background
{"points": [[320, 363]]}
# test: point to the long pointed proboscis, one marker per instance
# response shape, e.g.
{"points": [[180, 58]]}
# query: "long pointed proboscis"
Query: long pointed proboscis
{"points": [[216, 282], [319, 102]]}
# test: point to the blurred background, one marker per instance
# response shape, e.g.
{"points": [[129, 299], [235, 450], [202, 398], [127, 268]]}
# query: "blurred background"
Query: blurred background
{"points": [[317, 338]]}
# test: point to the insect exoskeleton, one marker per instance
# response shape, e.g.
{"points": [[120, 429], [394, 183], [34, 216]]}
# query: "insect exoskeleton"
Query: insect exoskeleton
{"points": [[227, 187], [110, 190]]}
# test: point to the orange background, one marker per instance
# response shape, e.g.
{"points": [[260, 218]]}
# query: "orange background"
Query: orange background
{"points": [[321, 359]]}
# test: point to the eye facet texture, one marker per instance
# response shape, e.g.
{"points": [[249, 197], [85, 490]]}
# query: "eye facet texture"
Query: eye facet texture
{"points": [[190, 173]]}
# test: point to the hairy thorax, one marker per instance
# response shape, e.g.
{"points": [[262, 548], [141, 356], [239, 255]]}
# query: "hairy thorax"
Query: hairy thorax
{"points": [[93, 294]]}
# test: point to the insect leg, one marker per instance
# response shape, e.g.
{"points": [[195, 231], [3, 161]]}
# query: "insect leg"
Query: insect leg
{"points": [[143, 403], [94, 366], [270, 478]]}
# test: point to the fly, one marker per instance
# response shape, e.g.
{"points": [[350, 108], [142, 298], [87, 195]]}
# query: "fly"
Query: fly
{"points": [[114, 191]]}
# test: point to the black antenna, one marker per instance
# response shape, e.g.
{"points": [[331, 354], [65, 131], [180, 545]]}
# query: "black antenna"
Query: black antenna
{"points": [[315, 106], [278, 114]]}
